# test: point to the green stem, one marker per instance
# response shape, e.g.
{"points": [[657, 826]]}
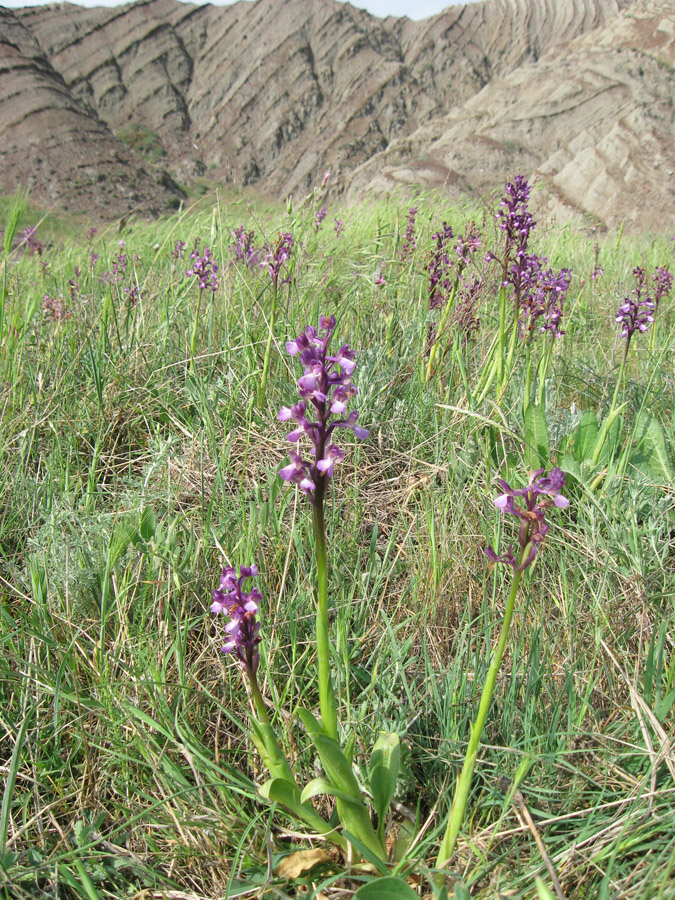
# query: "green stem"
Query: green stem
{"points": [[258, 701], [528, 376], [609, 418], [502, 336], [193, 338], [326, 693], [544, 365], [433, 353], [464, 784], [268, 347], [513, 343]]}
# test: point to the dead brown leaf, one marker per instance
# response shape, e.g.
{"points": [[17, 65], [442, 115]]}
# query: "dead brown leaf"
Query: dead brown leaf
{"points": [[300, 862]]}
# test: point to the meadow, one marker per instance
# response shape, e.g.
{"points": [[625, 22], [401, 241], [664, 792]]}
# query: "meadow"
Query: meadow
{"points": [[140, 446]]}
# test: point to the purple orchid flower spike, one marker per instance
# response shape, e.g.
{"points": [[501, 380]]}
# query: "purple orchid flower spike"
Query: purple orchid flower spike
{"points": [[242, 607], [326, 389], [541, 492]]}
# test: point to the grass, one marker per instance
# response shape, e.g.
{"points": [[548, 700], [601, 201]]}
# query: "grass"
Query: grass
{"points": [[129, 473]]}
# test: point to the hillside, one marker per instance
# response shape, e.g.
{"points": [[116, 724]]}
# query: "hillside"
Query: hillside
{"points": [[273, 94]]}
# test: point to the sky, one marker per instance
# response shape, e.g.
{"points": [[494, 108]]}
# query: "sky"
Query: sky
{"points": [[417, 9]]}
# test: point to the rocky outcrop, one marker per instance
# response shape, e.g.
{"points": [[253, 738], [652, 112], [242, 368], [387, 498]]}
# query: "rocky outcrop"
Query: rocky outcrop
{"points": [[592, 122], [53, 144], [275, 92]]}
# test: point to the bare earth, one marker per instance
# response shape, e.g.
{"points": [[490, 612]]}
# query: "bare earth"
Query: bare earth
{"points": [[107, 110]]}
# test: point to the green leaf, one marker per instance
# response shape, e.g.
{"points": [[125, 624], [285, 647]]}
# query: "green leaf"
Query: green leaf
{"points": [[665, 706], [318, 786], [336, 765], [570, 466], [385, 763], [651, 457], [389, 888], [352, 811], [543, 893], [608, 437], [147, 527], [585, 436], [536, 436], [278, 790], [10, 781]]}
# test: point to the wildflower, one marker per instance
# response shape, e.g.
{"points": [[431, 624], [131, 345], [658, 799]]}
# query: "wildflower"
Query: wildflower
{"points": [[597, 272], [277, 258], [325, 389], [179, 250], [33, 244], [242, 608], [409, 239], [93, 259], [514, 217], [663, 283], [91, 233], [320, 216], [542, 492], [439, 267], [543, 299], [133, 295], [204, 268], [120, 263], [74, 282], [380, 280], [54, 309], [338, 226], [243, 247], [636, 313], [464, 315], [465, 248], [324, 181]]}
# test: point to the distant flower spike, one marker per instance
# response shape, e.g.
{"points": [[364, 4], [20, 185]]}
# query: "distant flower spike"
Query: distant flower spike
{"points": [[204, 268]]}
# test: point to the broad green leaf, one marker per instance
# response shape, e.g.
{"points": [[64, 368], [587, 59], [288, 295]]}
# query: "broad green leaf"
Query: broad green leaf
{"points": [[652, 457], [311, 723], [281, 791], [389, 888], [318, 786], [570, 466], [536, 436], [585, 436], [336, 765], [608, 437], [352, 812], [147, 527], [385, 762]]}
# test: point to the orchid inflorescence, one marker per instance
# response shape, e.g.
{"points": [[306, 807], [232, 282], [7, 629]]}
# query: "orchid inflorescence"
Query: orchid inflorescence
{"points": [[242, 607], [204, 268], [541, 492], [277, 257], [325, 385], [637, 312], [409, 239]]}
